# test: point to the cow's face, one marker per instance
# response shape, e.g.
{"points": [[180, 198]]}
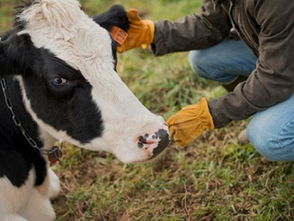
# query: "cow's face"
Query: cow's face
{"points": [[65, 65]]}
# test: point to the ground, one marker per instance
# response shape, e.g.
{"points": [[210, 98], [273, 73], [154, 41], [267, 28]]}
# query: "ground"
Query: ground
{"points": [[213, 179]]}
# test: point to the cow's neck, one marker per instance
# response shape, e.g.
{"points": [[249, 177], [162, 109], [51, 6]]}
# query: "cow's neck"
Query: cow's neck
{"points": [[12, 140], [11, 135]]}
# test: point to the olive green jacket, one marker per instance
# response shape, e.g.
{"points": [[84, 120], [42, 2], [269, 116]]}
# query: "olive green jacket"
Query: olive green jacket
{"points": [[267, 26]]}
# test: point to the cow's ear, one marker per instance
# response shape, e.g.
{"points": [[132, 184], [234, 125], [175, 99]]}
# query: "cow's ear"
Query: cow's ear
{"points": [[14, 55], [115, 16]]}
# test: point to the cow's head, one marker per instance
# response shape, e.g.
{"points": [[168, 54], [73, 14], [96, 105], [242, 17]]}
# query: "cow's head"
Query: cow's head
{"points": [[65, 64]]}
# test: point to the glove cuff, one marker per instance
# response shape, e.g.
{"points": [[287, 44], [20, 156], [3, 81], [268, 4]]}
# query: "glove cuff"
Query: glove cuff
{"points": [[206, 113], [151, 30]]}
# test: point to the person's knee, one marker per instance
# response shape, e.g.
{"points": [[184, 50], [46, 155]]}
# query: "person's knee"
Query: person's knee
{"points": [[206, 65], [197, 60], [275, 144], [260, 142]]}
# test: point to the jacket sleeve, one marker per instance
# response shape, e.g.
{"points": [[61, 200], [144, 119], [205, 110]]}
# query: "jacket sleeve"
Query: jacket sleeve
{"points": [[273, 80], [196, 31]]}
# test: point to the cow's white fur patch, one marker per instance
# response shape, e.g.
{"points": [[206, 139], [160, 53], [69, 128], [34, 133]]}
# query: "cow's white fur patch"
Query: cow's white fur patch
{"points": [[13, 217], [64, 29], [38, 208], [13, 199], [54, 184], [24, 203]]}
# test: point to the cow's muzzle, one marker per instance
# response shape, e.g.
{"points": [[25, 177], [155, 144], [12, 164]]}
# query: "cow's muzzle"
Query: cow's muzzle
{"points": [[154, 144]]}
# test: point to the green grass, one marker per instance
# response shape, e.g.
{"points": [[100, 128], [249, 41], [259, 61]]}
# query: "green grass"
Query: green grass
{"points": [[213, 179]]}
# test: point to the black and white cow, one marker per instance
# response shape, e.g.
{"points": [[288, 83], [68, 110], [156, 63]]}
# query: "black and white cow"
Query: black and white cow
{"points": [[59, 84]]}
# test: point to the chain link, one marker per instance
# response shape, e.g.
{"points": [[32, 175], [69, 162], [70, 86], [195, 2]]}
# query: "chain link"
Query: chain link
{"points": [[16, 121]]}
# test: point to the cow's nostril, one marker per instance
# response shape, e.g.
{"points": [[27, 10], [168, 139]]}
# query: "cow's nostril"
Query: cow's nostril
{"points": [[145, 140]]}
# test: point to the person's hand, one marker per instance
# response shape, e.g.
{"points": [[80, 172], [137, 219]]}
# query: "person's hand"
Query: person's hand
{"points": [[140, 33], [190, 122]]}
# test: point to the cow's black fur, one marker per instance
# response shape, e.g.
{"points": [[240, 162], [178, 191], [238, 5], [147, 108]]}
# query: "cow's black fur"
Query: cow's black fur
{"points": [[39, 69], [17, 157], [116, 16]]}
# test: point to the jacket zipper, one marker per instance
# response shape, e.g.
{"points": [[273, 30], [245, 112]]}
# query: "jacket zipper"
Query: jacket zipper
{"points": [[233, 29]]}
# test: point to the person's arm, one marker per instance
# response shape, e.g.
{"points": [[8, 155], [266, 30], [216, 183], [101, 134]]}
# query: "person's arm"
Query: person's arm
{"points": [[197, 31], [273, 80]]}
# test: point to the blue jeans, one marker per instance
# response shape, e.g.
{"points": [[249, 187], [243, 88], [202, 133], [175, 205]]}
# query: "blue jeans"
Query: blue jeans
{"points": [[270, 131]]}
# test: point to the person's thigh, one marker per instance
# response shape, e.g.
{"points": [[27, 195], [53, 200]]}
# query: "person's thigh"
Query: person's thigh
{"points": [[224, 61], [272, 131]]}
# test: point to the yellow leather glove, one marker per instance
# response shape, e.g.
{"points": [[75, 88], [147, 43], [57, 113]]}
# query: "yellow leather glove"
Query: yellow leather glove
{"points": [[187, 124], [140, 33]]}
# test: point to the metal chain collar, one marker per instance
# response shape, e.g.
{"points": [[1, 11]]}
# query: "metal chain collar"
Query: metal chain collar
{"points": [[54, 154], [17, 122]]}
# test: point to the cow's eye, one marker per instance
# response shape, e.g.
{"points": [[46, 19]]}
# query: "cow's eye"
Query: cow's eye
{"points": [[60, 86], [58, 81]]}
